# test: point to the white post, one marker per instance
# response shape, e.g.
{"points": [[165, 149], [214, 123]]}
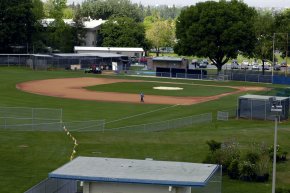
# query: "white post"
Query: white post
{"points": [[274, 156], [273, 57]]}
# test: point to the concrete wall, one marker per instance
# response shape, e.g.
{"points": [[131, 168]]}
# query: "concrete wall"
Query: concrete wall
{"points": [[91, 37], [103, 187]]}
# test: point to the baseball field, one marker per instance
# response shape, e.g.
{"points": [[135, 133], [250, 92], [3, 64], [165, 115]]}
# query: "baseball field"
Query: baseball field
{"points": [[28, 156]]}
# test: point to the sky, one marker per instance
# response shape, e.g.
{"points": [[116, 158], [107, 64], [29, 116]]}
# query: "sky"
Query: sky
{"points": [[252, 3]]}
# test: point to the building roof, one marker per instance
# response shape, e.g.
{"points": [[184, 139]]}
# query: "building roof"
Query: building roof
{"points": [[101, 55], [166, 58], [93, 23], [136, 171], [108, 49], [261, 97], [89, 24]]}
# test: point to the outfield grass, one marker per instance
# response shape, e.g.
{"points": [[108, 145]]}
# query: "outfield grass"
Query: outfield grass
{"points": [[147, 88], [27, 157]]}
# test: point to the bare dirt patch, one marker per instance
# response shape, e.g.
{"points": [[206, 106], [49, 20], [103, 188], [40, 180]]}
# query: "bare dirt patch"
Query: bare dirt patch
{"points": [[73, 88]]}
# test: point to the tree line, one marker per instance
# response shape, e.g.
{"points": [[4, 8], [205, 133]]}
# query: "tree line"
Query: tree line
{"points": [[215, 30]]}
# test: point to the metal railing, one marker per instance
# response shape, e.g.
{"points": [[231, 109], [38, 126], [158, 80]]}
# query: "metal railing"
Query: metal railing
{"points": [[51, 185]]}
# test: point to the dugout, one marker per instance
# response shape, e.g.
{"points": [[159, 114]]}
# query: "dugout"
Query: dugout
{"points": [[112, 175], [259, 107]]}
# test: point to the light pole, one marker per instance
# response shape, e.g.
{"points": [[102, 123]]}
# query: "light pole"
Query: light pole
{"points": [[277, 109]]}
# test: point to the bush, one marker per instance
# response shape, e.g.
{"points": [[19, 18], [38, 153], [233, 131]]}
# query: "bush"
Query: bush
{"points": [[252, 157], [262, 168], [247, 171], [280, 156], [213, 145], [233, 170]]}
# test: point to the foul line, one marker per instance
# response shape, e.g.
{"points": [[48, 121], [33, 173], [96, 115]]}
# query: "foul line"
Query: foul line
{"points": [[141, 114]]}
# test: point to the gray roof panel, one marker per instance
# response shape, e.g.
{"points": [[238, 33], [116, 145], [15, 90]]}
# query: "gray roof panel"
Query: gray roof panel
{"points": [[171, 59], [261, 97]]}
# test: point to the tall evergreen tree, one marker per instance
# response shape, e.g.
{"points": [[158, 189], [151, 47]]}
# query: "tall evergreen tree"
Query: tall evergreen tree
{"points": [[16, 25]]}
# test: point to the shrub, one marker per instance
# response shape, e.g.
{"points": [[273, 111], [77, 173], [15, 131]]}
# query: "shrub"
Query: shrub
{"points": [[213, 145], [247, 171], [252, 157], [262, 168], [280, 155], [233, 170]]}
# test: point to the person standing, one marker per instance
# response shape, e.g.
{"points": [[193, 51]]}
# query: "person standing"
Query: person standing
{"points": [[142, 97]]}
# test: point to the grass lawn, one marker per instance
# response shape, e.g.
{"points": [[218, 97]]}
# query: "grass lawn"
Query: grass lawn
{"points": [[147, 88], [27, 157]]}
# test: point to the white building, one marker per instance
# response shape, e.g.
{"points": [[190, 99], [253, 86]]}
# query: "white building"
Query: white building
{"points": [[131, 52], [111, 175], [92, 26]]}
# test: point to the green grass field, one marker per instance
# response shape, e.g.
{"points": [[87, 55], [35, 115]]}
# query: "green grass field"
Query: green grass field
{"points": [[27, 157], [147, 88]]}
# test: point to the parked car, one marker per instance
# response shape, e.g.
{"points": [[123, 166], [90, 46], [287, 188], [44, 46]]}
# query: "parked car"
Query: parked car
{"points": [[234, 64], [283, 64], [267, 66], [255, 66], [245, 64], [277, 67], [203, 64]]}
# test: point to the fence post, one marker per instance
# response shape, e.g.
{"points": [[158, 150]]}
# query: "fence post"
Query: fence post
{"points": [[32, 120]]}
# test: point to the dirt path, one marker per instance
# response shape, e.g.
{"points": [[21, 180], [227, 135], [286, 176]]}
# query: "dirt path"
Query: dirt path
{"points": [[73, 88]]}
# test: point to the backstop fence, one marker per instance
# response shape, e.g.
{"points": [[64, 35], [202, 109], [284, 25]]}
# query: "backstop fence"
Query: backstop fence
{"points": [[51, 185]]}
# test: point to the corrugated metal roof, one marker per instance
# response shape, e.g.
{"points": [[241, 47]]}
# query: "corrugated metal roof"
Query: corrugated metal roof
{"points": [[261, 97], [113, 49], [173, 59], [136, 171], [101, 55]]}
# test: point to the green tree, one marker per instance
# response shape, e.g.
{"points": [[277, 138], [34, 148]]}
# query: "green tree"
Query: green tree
{"points": [[282, 26], [122, 32], [161, 34], [16, 24], [264, 29], [54, 8], [217, 30], [37, 9], [68, 13], [104, 9]]}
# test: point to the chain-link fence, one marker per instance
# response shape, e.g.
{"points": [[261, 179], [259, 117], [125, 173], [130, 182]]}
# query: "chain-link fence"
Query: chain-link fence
{"points": [[259, 107], [64, 61], [51, 185], [30, 119], [84, 126], [14, 59], [165, 125]]}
